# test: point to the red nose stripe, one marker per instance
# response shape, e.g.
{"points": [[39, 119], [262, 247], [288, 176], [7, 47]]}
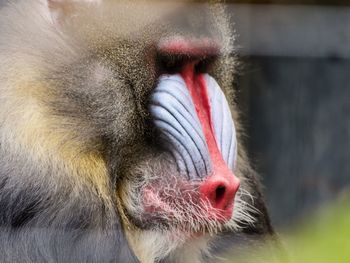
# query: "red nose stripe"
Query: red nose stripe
{"points": [[220, 187]]}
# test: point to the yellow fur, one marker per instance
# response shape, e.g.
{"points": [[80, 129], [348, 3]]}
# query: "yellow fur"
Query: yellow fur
{"points": [[38, 132]]}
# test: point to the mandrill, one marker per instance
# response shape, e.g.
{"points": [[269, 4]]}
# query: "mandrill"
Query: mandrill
{"points": [[119, 136]]}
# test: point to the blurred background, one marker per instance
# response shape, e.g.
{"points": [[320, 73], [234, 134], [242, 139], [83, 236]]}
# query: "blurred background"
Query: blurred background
{"points": [[294, 91], [294, 88]]}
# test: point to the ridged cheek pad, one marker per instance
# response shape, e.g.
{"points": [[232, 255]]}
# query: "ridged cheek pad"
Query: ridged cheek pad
{"points": [[176, 116]]}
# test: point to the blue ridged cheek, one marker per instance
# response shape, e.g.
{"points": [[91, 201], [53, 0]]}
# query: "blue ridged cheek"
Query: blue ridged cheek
{"points": [[180, 130], [222, 122]]}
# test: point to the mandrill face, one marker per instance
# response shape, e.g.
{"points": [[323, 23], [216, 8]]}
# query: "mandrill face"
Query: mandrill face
{"points": [[119, 137], [156, 81]]}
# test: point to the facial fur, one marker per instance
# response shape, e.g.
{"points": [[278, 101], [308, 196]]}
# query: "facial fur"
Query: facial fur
{"points": [[77, 76]]}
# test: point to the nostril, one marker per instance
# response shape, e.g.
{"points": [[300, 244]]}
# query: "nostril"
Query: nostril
{"points": [[220, 193]]}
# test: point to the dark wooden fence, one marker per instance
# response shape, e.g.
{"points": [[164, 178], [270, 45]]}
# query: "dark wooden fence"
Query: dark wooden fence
{"points": [[295, 93]]}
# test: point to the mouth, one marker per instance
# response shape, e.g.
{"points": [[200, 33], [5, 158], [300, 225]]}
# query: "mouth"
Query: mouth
{"points": [[178, 206], [175, 203]]}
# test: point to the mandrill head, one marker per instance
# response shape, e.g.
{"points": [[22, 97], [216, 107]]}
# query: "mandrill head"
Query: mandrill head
{"points": [[147, 85]]}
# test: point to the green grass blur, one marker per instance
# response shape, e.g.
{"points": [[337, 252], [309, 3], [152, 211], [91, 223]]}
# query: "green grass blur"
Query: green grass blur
{"points": [[323, 237]]}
